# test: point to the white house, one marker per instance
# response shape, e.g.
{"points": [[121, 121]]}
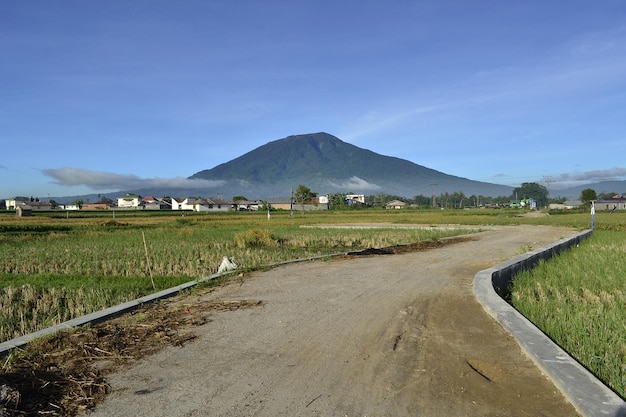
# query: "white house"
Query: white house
{"points": [[177, 203], [201, 204], [69, 207], [128, 201], [193, 204], [13, 203], [356, 198], [395, 204]]}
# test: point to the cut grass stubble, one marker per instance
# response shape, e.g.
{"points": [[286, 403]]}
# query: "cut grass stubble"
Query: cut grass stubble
{"points": [[48, 278]]}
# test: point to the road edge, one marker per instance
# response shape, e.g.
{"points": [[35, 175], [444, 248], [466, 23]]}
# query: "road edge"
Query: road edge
{"points": [[8, 346], [587, 394]]}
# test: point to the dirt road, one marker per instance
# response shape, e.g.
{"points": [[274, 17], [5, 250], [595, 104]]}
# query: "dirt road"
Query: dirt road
{"points": [[388, 335]]}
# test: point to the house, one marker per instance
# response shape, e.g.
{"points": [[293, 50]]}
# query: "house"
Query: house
{"points": [[177, 203], [157, 204], [217, 204], [194, 204], [245, 205], [12, 203], [130, 201], [323, 200], [281, 203], [287, 203], [33, 204], [355, 199], [69, 207], [567, 205], [101, 205], [40, 205], [617, 202], [201, 204], [395, 204]]}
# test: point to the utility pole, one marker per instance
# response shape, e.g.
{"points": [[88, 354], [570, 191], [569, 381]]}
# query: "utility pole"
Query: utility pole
{"points": [[433, 187]]}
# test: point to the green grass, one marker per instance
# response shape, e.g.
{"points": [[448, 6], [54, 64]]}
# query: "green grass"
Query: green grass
{"points": [[579, 300]]}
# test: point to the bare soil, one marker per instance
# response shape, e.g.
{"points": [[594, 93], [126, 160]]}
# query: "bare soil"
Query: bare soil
{"points": [[396, 332]]}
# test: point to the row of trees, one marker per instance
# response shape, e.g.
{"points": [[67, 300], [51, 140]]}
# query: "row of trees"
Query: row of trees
{"points": [[528, 190], [589, 194], [534, 191]]}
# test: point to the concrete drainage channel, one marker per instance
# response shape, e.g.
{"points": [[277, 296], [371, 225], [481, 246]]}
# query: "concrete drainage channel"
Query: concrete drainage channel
{"points": [[588, 395]]}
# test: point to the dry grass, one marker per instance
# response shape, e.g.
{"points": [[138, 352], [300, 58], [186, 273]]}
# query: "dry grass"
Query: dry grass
{"points": [[66, 373]]}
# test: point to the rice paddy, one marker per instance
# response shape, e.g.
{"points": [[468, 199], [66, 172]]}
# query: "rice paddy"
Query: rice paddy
{"points": [[52, 269], [579, 300], [56, 268]]}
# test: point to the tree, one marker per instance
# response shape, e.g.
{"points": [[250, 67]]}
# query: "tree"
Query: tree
{"points": [[337, 200], [239, 198], [588, 195], [533, 190], [605, 196], [303, 194]]}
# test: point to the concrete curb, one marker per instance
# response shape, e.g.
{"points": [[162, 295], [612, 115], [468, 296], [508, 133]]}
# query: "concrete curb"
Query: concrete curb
{"points": [[588, 395], [108, 313]]}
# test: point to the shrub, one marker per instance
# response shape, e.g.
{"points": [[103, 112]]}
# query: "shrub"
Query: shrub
{"points": [[255, 238]]}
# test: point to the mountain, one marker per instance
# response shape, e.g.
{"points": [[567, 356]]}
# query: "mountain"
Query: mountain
{"points": [[602, 187], [326, 164]]}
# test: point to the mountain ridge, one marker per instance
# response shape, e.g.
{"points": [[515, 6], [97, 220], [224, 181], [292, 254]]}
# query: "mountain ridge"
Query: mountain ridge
{"points": [[325, 163]]}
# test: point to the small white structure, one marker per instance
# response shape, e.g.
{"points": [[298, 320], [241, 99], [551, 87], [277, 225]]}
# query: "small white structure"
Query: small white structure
{"points": [[226, 265], [70, 207]]}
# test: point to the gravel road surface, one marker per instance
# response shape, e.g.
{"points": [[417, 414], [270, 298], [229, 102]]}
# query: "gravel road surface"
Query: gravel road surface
{"points": [[387, 335]]}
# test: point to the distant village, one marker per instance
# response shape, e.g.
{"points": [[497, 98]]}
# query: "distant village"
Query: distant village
{"points": [[25, 206]]}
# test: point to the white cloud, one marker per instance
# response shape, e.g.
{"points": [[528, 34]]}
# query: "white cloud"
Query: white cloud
{"points": [[98, 180], [595, 175], [355, 184]]}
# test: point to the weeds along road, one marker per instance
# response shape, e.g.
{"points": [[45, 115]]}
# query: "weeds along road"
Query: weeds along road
{"points": [[389, 335]]}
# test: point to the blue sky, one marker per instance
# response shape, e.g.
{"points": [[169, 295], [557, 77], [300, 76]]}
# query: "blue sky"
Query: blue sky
{"points": [[103, 96]]}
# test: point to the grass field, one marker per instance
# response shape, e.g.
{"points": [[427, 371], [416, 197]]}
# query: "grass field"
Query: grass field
{"points": [[53, 268], [579, 300]]}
